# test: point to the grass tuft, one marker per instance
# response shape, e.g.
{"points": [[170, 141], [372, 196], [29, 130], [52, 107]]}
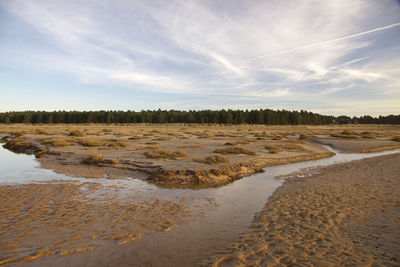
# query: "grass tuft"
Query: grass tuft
{"points": [[117, 143], [91, 142], [41, 131], [19, 145], [76, 133], [272, 149], [165, 154], [58, 141], [235, 150], [215, 159], [138, 137], [243, 142]]}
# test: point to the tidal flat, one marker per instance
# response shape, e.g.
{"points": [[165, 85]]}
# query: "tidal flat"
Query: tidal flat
{"points": [[185, 155]]}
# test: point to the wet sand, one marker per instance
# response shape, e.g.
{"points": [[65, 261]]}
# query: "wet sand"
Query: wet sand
{"points": [[60, 218], [357, 145], [341, 215]]}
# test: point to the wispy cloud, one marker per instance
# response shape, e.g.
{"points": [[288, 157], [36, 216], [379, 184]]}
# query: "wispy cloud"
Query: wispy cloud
{"points": [[296, 52], [328, 41]]}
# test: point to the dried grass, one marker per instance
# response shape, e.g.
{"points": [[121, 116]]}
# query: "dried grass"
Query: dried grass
{"points": [[235, 150], [215, 159], [76, 133], [272, 149], [92, 142], [58, 141], [165, 154]]}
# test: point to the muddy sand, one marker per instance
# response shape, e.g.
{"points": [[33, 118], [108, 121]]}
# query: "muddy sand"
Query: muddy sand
{"points": [[342, 215]]}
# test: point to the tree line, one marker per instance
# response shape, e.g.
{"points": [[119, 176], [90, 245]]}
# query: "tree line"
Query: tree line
{"points": [[260, 116]]}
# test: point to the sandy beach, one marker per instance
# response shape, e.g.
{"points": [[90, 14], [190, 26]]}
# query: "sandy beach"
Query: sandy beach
{"points": [[341, 215]]}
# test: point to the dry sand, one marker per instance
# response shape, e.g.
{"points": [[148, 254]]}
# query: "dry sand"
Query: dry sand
{"points": [[347, 215]]}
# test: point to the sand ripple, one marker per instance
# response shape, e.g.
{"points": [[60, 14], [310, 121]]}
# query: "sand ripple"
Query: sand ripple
{"points": [[349, 214], [39, 220]]}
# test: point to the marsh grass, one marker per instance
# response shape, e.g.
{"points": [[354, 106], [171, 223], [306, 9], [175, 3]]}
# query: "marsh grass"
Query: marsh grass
{"points": [[138, 137], [93, 159], [292, 147], [152, 143], [235, 150], [96, 159], [242, 142], [159, 153], [116, 143], [18, 133], [272, 149], [305, 136], [91, 142], [345, 134], [41, 131], [19, 145], [163, 138], [76, 133], [215, 159], [58, 141]]}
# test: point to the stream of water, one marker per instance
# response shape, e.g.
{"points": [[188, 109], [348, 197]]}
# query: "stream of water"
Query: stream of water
{"points": [[230, 212]]}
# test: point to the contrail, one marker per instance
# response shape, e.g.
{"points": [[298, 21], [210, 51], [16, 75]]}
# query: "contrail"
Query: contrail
{"points": [[328, 42]]}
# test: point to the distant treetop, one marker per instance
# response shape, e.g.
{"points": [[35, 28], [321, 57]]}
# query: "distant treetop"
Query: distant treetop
{"points": [[260, 116]]}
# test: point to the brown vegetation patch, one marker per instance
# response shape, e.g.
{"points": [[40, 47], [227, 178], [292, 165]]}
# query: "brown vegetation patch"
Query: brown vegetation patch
{"points": [[58, 141], [163, 138], [92, 142], [19, 145], [242, 142], [138, 137], [93, 159], [116, 143], [272, 149], [76, 133], [96, 159], [41, 131], [152, 143], [215, 159], [235, 150], [165, 154]]}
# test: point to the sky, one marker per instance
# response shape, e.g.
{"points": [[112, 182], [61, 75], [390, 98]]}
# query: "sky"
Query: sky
{"points": [[334, 57]]}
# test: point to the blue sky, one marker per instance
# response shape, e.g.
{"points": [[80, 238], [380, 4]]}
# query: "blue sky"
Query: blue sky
{"points": [[332, 57]]}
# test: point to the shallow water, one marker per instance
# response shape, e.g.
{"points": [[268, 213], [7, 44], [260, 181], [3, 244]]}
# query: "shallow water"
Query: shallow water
{"points": [[219, 215]]}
